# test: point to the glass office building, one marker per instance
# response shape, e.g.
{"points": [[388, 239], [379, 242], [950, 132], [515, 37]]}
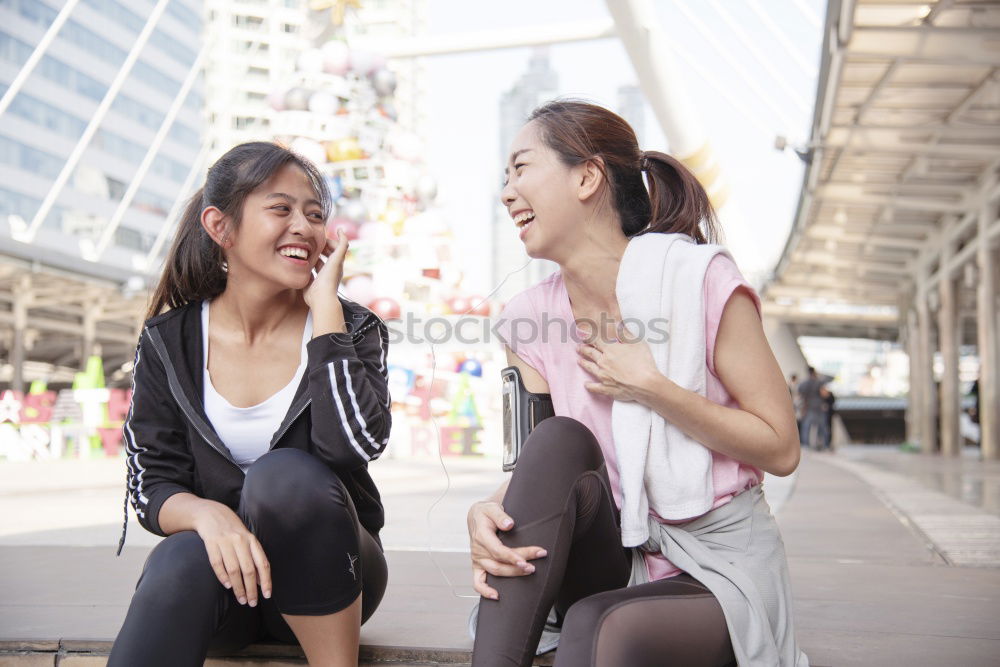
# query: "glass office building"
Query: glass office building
{"points": [[49, 114]]}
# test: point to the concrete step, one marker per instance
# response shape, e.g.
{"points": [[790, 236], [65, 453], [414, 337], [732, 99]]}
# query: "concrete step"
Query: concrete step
{"points": [[76, 653]]}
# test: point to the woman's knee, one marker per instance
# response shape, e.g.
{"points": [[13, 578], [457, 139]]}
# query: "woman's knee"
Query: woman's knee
{"points": [[290, 487], [562, 441], [626, 626], [583, 619], [178, 570]]}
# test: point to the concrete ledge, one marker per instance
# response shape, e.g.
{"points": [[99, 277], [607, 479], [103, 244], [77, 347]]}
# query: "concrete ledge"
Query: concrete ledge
{"points": [[95, 652]]}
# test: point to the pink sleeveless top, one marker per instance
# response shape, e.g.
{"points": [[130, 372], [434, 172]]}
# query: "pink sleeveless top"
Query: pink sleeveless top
{"points": [[536, 325]]}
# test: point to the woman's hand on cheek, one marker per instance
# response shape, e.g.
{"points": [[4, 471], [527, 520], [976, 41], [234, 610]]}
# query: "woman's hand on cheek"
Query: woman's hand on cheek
{"points": [[322, 289], [321, 293], [622, 370]]}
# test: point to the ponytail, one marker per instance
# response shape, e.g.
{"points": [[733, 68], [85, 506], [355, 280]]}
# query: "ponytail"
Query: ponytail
{"points": [[679, 203], [675, 201], [195, 266]]}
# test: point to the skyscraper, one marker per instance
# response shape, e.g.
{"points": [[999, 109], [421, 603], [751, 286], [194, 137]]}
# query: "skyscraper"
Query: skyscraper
{"points": [[632, 107], [536, 86]]}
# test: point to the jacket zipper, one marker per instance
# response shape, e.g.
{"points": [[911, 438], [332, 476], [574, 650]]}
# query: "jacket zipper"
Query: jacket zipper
{"points": [[289, 423], [184, 404]]}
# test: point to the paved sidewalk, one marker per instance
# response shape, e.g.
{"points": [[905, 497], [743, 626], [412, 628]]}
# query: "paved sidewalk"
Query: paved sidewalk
{"points": [[870, 587], [962, 477]]}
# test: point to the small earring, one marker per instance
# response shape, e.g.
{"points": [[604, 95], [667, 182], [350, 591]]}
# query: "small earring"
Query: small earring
{"points": [[225, 266]]}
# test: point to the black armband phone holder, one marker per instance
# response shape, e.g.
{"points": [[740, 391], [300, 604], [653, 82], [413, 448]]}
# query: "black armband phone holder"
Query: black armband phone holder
{"points": [[522, 412]]}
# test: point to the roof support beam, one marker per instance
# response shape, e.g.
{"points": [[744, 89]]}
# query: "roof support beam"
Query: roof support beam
{"points": [[832, 293], [846, 195], [487, 40], [839, 277], [966, 45], [793, 314], [858, 138], [71, 328], [836, 234], [845, 268]]}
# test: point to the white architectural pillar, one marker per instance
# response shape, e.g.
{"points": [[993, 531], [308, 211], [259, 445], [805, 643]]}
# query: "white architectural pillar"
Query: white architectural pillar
{"points": [[914, 398], [987, 343], [17, 353], [655, 65], [948, 339], [785, 347], [928, 406]]}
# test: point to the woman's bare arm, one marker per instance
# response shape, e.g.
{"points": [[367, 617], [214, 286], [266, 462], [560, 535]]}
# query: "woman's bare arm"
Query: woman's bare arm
{"points": [[762, 431]]}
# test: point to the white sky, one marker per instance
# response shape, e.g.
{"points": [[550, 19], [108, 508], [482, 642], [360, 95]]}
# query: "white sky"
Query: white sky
{"points": [[742, 112]]}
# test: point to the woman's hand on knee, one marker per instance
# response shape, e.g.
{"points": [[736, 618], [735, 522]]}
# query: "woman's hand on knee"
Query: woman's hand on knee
{"points": [[234, 552], [489, 554]]}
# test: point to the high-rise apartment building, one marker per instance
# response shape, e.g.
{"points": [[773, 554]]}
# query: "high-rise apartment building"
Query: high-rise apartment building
{"points": [[253, 48], [255, 45], [49, 114]]}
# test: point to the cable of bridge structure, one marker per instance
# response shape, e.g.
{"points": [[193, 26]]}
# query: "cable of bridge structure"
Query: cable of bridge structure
{"points": [[734, 62], [154, 147], [179, 201], [36, 55], [197, 167], [808, 69], [756, 53], [701, 71], [28, 235], [809, 13]]}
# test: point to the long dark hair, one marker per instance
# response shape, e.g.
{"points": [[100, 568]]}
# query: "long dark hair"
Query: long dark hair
{"points": [[194, 266], [675, 201]]}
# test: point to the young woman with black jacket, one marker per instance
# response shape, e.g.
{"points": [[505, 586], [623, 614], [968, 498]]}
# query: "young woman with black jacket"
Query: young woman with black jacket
{"points": [[259, 397]]}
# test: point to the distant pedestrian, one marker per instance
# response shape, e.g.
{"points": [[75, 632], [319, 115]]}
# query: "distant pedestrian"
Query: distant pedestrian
{"points": [[812, 408], [793, 389], [975, 410], [829, 401]]}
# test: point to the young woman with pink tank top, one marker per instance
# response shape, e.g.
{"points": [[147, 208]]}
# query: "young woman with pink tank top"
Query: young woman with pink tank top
{"points": [[550, 537]]}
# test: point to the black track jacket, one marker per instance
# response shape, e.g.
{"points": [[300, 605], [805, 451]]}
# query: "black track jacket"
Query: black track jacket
{"points": [[340, 414]]}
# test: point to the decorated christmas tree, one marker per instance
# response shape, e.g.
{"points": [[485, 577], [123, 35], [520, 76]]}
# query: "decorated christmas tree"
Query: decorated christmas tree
{"points": [[338, 110]]}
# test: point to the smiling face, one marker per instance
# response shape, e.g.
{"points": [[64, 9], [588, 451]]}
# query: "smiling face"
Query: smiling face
{"points": [[541, 195], [281, 233]]}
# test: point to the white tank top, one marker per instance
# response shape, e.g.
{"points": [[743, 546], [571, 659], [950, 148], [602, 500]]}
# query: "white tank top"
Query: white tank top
{"points": [[247, 431]]}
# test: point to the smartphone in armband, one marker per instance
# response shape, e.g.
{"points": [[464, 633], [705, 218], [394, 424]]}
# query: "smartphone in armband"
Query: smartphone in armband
{"points": [[522, 412]]}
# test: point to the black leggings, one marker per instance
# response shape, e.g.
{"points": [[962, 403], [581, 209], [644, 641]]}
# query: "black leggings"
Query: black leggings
{"points": [[560, 499], [321, 560]]}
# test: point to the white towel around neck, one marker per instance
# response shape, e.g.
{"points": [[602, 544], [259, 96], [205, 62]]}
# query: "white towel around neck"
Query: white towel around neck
{"points": [[660, 467]]}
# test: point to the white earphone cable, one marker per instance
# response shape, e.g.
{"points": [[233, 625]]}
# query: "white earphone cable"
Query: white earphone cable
{"points": [[437, 431]]}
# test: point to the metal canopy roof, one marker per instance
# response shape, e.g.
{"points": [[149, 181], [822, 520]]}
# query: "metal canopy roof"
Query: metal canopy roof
{"points": [[906, 127], [66, 311]]}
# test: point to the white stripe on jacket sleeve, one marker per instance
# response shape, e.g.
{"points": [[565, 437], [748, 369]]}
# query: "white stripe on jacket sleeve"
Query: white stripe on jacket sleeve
{"points": [[133, 450], [357, 413], [334, 389]]}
